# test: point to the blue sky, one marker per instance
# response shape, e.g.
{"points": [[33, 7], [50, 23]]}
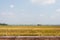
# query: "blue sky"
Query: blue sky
{"points": [[30, 11]]}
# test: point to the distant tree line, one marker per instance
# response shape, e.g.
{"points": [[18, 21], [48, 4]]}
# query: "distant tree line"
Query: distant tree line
{"points": [[3, 24], [39, 24]]}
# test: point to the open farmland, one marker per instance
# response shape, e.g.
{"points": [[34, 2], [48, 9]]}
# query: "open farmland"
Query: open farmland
{"points": [[29, 30]]}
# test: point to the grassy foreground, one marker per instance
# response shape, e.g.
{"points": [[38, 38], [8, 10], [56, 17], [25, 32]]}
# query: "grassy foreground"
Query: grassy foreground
{"points": [[29, 30]]}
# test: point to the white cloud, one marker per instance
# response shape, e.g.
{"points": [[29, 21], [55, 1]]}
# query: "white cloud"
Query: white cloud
{"points": [[57, 10], [12, 6], [43, 2], [41, 15], [55, 16], [8, 15], [52, 17]]}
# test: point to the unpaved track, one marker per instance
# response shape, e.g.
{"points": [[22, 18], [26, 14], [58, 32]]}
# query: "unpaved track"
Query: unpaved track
{"points": [[29, 37]]}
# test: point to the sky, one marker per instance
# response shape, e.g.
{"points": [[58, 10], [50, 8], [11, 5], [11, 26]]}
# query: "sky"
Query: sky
{"points": [[30, 11]]}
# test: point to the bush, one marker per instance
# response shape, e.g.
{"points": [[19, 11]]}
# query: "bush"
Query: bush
{"points": [[39, 25]]}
